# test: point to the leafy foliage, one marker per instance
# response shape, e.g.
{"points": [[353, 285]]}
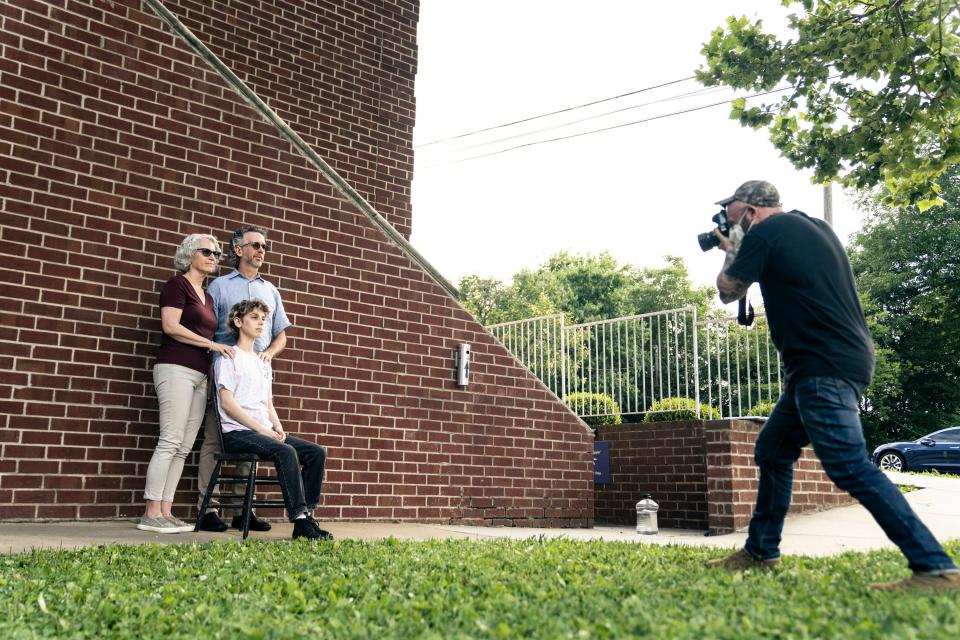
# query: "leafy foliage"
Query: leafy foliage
{"points": [[584, 404], [762, 409], [483, 297], [874, 89], [934, 473], [585, 288], [454, 589], [669, 409], [907, 266]]}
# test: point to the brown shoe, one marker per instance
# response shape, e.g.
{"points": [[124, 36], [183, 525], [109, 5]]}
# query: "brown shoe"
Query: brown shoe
{"points": [[741, 561], [923, 582]]}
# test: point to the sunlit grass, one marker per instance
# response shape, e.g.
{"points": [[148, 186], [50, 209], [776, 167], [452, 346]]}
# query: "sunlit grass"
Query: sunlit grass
{"points": [[454, 589], [934, 474]]}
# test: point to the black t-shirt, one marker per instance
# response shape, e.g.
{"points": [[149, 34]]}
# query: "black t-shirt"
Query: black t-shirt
{"points": [[811, 303]]}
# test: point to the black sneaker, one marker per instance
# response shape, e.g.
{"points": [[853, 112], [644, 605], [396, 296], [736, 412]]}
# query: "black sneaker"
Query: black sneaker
{"points": [[212, 522], [256, 524], [303, 528], [324, 534]]}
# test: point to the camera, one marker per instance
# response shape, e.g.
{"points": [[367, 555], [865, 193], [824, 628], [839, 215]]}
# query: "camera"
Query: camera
{"points": [[708, 240]]}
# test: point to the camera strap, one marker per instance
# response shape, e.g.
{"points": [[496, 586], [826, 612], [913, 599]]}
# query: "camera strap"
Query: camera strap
{"points": [[744, 316]]}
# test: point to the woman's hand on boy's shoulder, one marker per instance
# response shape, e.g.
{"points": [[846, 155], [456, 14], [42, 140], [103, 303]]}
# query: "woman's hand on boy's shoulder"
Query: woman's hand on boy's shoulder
{"points": [[223, 349]]}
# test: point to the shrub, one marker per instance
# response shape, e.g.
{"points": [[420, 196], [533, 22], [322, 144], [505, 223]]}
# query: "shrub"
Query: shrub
{"points": [[590, 403], [669, 409], [762, 409]]}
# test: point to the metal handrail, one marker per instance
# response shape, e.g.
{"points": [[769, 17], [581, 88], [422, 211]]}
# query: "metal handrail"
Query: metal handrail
{"points": [[305, 149], [511, 322], [633, 317]]}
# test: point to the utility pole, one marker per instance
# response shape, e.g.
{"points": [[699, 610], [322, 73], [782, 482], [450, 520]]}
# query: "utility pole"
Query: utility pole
{"points": [[828, 203]]}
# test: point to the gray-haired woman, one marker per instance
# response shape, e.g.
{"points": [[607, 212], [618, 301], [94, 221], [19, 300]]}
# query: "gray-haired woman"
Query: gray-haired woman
{"points": [[180, 375]]}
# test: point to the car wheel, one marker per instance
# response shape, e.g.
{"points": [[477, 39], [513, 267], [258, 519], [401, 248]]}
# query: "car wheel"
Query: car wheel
{"points": [[891, 461]]}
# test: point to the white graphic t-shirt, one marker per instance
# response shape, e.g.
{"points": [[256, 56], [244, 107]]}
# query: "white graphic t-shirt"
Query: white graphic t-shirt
{"points": [[249, 378]]}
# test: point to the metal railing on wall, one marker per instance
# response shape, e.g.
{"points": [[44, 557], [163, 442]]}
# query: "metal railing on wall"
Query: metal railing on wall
{"points": [[539, 343], [634, 360], [639, 362], [743, 368]]}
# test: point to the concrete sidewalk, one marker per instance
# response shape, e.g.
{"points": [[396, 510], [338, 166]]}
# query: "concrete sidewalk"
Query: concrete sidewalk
{"points": [[831, 532]]}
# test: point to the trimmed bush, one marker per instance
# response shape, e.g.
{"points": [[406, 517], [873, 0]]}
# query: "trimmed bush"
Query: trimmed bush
{"points": [[762, 409], [587, 403], [669, 409]]}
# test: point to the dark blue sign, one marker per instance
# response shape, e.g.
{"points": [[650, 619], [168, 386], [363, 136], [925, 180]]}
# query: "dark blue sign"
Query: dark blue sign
{"points": [[601, 462]]}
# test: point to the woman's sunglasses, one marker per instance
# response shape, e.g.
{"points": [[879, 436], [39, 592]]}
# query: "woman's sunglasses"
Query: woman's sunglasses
{"points": [[209, 252]]}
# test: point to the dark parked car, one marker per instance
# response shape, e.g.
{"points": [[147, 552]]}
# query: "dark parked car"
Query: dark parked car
{"points": [[939, 450]]}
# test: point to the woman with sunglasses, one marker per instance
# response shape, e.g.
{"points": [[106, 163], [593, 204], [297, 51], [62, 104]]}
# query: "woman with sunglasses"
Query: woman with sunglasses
{"points": [[180, 375]]}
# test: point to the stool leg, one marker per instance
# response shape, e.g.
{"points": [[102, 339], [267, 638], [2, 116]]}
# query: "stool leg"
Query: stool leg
{"points": [[248, 498], [214, 477]]}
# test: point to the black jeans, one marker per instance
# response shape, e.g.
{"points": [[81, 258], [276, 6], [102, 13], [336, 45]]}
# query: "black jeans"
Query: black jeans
{"points": [[299, 465]]}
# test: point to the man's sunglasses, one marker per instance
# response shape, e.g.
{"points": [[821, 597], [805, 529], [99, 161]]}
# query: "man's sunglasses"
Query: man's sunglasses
{"points": [[209, 252], [257, 245]]}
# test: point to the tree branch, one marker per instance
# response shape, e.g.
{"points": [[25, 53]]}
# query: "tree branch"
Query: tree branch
{"points": [[897, 6], [940, 27]]}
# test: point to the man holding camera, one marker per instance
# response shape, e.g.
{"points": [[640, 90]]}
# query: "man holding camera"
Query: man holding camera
{"points": [[819, 329]]}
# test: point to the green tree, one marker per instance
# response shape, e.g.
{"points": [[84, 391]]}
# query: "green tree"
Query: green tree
{"points": [[908, 271], [589, 287], [874, 90], [668, 287], [585, 288], [485, 298]]}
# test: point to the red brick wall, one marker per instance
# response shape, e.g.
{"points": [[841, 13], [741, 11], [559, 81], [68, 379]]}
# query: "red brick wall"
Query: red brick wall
{"points": [[701, 474], [115, 142], [732, 477], [666, 460]]}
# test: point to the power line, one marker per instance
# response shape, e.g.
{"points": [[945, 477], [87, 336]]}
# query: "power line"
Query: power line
{"points": [[553, 113], [679, 96], [617, 126]]}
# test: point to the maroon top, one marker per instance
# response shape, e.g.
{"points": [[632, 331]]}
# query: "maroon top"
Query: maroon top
{"points": [[197, 316]]}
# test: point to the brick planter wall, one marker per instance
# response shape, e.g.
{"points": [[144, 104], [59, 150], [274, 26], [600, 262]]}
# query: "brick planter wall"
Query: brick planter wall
{"points": [[116, 142], [701, 473], [667, 460]]}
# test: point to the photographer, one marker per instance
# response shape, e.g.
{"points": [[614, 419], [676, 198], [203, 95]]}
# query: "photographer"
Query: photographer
{"points": [[820, 332]]}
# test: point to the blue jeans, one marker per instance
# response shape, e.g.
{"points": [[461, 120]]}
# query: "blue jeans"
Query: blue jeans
{"points": [[300, 487], [824, 412]]}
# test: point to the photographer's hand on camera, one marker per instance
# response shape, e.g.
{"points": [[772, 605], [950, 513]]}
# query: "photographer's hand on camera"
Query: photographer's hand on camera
{"points": [[730, 289], [725, 243]]}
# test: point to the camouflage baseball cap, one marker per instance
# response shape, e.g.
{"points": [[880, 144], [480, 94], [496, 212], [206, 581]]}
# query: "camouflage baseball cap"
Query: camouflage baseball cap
{"points": [[756, 192]]}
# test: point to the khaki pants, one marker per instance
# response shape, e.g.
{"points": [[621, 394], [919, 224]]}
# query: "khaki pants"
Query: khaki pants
{"points": [[209, 448], [182, 395]]}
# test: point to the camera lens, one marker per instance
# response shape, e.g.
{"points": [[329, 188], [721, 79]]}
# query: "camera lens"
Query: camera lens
{"points": [[707, 241]]}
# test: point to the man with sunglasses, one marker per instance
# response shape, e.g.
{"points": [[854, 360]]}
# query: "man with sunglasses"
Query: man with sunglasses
{"points": [[818, 327], [249, 250]]}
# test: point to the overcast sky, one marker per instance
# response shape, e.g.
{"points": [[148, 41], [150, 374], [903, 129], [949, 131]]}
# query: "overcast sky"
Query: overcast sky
{"points": [[638, 191]]}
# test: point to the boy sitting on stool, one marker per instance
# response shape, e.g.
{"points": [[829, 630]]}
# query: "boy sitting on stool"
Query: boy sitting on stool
{"points": [[250, 423]]}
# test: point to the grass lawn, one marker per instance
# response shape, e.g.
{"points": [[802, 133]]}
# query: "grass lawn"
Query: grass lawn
{"points": [[935, 474], [454, 589]]}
